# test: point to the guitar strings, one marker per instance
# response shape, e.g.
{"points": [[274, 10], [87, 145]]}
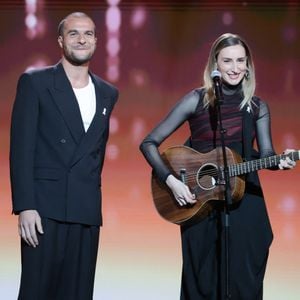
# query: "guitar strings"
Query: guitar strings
{"points": [[212, 172], [202, 173], [240, 168]]}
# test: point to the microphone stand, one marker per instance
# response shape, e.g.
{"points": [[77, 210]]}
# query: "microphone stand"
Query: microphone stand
{"points": [[226, 181]]}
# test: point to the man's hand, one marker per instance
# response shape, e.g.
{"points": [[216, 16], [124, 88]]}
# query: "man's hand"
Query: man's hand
{"points": [[29, 224]]}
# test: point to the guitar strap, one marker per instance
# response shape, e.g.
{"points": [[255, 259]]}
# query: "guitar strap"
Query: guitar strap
{"points": [[248, 128], [248, 153], [247, 133], [188, 142]]}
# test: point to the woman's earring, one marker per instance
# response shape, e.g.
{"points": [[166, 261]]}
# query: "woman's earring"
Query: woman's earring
{"points": [[247, 74]]}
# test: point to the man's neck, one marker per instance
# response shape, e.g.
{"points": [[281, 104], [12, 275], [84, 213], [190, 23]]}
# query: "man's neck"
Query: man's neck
{"points": [[77, 75]]}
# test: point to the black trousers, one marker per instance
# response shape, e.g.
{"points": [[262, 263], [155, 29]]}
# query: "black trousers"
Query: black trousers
{"points": [[62, 266]]}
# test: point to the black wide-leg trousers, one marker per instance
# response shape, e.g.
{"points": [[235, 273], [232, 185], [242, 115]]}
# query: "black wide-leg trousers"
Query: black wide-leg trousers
{"points": [[62, 266]]}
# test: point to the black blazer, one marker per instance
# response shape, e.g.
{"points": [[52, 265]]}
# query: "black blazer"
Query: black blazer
{"points": [[55, 165]]}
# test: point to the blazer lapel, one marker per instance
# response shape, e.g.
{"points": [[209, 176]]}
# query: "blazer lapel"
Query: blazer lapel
{"points": [[99, 122], [66, 102]]}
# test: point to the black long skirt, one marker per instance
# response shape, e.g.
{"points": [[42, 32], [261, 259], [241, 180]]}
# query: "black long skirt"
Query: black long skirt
{"points": [[250, 235]]}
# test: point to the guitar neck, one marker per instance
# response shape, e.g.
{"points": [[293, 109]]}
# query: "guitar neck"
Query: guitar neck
{"points": [[262, 163]]}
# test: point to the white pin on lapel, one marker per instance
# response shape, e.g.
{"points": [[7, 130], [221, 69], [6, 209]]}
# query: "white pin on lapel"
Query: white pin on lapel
{"points": [[248, 109], [104, 111]]}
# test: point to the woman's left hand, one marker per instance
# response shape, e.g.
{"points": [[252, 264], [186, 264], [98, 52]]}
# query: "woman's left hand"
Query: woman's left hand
{"points": [[287, 163]]}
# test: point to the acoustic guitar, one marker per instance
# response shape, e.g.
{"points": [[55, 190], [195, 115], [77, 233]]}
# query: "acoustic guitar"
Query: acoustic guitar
{"points": [[204, 174]]}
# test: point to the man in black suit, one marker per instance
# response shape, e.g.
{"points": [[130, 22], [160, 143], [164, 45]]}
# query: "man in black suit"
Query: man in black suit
{"points": [[59, 131]]}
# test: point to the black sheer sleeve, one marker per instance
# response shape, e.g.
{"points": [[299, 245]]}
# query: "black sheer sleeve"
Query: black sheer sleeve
{"points": [[263, 131], [176, 117]]}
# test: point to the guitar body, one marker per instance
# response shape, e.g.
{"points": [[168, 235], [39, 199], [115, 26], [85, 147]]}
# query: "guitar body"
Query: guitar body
{"points": [[201, 173]]}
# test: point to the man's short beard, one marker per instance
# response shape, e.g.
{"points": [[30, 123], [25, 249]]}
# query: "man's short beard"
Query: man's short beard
{"points": [[78, 61], [72, 59]]}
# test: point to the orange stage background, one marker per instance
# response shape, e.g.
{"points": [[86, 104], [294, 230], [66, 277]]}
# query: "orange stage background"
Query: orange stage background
{"points": [[159, 50]]}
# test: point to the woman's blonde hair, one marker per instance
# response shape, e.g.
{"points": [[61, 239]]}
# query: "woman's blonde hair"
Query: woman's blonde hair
{"points": [[248, 84]]}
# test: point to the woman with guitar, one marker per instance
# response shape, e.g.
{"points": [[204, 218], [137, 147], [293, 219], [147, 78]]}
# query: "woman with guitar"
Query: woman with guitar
{"points": [[194, 180]]}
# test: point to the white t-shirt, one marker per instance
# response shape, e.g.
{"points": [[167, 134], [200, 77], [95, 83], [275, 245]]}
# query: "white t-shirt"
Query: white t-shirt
{"points": [[86, 98]]}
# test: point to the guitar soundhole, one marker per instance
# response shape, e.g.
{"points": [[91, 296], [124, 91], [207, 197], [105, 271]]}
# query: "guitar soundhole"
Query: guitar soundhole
{"points": [[207, 176]]}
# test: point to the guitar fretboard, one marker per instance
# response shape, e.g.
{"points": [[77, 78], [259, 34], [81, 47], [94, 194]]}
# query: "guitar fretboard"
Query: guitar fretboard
{"points": [[262, 163]]}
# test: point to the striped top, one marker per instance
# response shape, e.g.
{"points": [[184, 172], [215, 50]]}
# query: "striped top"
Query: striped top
{"points": [[205, 133]]}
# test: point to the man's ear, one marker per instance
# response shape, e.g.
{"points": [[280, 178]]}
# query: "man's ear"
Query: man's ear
{"points": [[60, 41]]}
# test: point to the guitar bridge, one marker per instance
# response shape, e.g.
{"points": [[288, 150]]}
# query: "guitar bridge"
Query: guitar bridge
{"points": [[182, 174]]}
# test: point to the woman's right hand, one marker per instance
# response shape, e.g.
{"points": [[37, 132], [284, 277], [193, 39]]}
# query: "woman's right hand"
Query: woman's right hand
{"points": [[180, 191]]}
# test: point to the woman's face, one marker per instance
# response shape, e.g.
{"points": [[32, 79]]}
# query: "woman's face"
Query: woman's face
{"points": [[232, 64]]}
